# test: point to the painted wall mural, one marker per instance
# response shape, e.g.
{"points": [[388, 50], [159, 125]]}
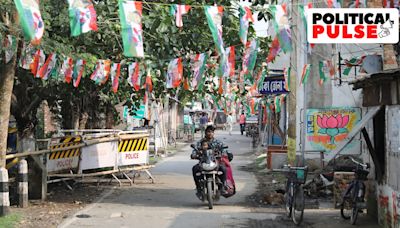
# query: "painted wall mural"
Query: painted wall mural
{"points": [[326, 128]]}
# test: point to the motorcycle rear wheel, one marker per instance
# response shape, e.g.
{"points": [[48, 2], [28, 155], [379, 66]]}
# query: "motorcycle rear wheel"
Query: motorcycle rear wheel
{"points": [[209, 194]]}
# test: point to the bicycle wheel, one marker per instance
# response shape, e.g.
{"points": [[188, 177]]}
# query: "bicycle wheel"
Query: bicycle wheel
{"points": [[288, 201], [345, 208], [298, 205], [354, 214]]}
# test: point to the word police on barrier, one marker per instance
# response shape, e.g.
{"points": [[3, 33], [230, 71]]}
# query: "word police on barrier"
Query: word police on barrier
{"points": [[126, 149], [66, 159], [273, 86], [133, 151]]}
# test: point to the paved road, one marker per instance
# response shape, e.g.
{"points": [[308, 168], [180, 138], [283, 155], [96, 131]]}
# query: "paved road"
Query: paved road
{"points": [[171, 202]]}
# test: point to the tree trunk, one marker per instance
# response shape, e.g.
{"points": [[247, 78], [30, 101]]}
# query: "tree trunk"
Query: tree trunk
{"points": [[7, 72]]}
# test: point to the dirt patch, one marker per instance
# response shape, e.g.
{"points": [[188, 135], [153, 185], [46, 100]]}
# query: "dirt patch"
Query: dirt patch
{"points": [[61, 203]]}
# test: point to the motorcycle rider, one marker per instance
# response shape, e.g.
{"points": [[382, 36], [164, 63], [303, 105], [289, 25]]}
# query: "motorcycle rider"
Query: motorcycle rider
{"points": [[208, 142]]}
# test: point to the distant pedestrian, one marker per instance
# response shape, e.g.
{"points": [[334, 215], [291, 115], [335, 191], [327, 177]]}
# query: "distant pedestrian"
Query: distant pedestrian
{"points": [[203, 124], [242, 122], [229, 122]]}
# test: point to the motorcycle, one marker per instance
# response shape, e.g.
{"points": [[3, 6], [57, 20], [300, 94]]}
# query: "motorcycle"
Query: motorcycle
{"points": [[211, 185]]}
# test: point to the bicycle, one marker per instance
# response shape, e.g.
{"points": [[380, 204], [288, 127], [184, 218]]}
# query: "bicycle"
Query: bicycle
{"points": [[353, 196], [294, 196]]}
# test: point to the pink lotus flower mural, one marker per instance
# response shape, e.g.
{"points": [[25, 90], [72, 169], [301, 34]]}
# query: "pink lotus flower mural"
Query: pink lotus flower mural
{"points": [[332, 125]]}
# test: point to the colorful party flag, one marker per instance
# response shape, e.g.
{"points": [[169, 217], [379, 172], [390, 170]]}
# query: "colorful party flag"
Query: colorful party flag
{"points": [[174, 73], [261, 79], [38, 61], [305, 73], [198, 66], [249, 58], [286, 75], [177, 11], [27, 53], [214, 18], [331, 68], [67, 69], [230, 52], [115, 72], [245, 16], [322, 77], [47, 67], [281, 26], [30, 20], [304, 11], [134, 78], [149, 82], [355, 61], [79, 69], [130, 13], [101, 72], [273, 50], [82, 17]]}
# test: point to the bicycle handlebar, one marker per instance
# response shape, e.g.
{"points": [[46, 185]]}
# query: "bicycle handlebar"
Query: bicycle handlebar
{"points": [[359, 163]]}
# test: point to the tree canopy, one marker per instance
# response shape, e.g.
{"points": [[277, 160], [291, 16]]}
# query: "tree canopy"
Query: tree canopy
{"points": [[163, 41]]}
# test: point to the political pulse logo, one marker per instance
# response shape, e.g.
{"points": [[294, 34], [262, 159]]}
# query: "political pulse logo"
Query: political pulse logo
{"points": [[349, 25]]}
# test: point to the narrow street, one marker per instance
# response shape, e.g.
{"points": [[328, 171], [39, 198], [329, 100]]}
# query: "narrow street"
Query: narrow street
{"points": [[171, 201]]}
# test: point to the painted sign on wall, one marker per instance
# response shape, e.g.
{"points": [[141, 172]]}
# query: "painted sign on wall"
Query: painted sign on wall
{"points": [[326, 128]]}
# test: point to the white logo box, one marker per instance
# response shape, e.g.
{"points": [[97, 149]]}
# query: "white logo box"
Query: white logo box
{"points": [[384, 20]]}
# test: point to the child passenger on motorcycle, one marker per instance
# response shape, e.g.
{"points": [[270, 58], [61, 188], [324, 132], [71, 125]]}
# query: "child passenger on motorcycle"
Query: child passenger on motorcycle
{"points": [[208, 142]]}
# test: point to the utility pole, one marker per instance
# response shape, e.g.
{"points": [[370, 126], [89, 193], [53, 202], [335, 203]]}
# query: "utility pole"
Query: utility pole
{"points": [[294, 21]]}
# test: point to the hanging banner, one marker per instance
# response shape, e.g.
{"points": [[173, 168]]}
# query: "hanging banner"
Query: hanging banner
{"points": [[245, 17], [82, 17], [249, 58], [130, 14], [214, 18], [198, 66], [30, 20]]}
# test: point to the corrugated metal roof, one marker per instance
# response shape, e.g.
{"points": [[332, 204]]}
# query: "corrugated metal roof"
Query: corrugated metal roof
{"points": [[375, 77]]}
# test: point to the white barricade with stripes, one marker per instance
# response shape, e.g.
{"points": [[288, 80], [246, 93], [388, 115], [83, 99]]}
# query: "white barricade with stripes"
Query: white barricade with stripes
{"points": [[63, 160]]}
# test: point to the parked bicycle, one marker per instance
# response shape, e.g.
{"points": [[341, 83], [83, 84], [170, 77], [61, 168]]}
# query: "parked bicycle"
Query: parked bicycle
{"points": [[294, 196], [353, 197]]}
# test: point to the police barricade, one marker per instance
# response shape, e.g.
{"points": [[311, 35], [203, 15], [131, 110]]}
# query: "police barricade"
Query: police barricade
{"points": [[63, 160], [109, 152]]}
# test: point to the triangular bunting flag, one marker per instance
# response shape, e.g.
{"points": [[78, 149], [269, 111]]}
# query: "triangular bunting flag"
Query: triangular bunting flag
{"points": [[47, 67], [174, 73], [134, 78], [79, 68], [101, 72], [178, 11], [115, 72], [305, 73]]}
